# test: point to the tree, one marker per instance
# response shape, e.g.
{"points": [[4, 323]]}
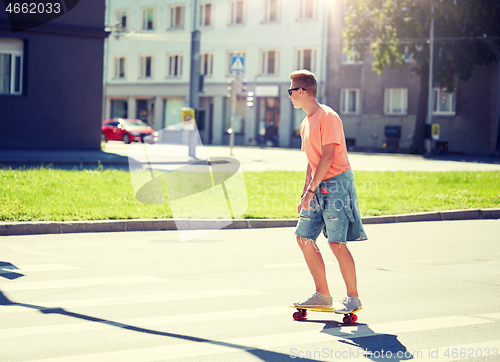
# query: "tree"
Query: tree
{"points": [[466, 34]]}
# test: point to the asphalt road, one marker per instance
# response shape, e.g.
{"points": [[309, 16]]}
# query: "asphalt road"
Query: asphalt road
{"points": [[431, 291]]}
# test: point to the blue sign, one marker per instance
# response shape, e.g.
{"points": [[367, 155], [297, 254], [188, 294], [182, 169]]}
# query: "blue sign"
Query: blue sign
{"points": [[237, 64]]}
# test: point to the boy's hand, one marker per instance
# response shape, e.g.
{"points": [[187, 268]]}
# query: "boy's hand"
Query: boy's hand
{"points": [[305, 201]]}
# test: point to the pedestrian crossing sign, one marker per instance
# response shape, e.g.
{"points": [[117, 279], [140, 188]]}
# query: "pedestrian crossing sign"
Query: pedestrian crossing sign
{"points": [[237, 64]]}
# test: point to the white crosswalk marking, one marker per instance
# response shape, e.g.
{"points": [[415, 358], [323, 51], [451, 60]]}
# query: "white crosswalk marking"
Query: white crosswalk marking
{"points": [[491, 315], [35, 268], [178, 344], [77, 283], [133, 299], [268, 341]]}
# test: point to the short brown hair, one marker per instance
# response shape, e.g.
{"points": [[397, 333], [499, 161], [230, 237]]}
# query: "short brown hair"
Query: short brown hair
{"points": [[305, 79]]}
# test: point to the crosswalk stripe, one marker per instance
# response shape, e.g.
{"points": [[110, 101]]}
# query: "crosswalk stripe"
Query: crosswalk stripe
{"points": [[35, 268], [491, 315], [76, 283], [270, 341], [133, 299], [140, 322]]}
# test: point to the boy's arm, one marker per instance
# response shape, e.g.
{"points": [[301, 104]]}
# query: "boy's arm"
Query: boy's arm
{"points": [[308, 178], [327, 153]]}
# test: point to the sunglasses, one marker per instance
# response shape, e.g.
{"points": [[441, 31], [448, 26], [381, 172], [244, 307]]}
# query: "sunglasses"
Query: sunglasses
{"points": [[293, 89]]}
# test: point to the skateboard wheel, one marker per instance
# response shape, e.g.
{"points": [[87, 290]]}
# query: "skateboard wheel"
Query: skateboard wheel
{"points": [[298, 316], [348, 319], [354, 318]]}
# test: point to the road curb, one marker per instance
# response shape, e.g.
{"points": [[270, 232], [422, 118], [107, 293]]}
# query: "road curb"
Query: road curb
{"points": [[52, 227]]}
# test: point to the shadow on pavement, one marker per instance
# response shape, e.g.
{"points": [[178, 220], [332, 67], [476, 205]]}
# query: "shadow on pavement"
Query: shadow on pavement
{"points": [[367, 343], [262, 354], [6, 271]]}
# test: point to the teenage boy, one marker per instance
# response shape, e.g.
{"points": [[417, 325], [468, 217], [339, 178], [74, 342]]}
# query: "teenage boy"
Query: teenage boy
{"points": [[328, 201]]}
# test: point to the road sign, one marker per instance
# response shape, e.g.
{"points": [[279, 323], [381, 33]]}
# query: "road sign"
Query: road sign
{"points": [[237, 64], [435, 131]]}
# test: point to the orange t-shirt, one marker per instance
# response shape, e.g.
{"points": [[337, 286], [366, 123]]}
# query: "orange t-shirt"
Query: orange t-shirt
{"points": [[322, 128]]}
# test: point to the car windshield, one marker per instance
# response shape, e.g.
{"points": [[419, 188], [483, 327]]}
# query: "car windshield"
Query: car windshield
{"points": [[137, 123]]}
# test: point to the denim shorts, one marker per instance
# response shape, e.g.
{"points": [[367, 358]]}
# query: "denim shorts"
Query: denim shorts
{"points": [[336, 213]]}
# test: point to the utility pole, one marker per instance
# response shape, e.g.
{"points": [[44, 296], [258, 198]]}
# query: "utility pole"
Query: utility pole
{"points": [[428, 141], [236, 86], [194, 78]]}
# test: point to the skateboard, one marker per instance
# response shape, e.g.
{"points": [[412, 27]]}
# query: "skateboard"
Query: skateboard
{"points": [[349, 318]]}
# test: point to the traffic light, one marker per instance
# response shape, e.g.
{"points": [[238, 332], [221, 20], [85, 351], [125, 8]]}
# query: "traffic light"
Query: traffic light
{"points": [[250, 99]]}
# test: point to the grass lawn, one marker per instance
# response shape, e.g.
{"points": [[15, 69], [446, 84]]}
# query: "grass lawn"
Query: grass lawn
{"points": [[53, 195]]}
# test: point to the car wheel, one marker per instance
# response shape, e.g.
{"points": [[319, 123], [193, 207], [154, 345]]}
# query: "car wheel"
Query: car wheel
{"points": [[103, 138], [126, 138]]}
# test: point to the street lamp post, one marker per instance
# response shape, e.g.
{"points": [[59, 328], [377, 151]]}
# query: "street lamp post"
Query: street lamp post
{"points": [[428, 141], [194, 77]]}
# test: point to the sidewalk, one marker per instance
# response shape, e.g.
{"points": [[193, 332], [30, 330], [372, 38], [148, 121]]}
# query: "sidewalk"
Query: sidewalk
{"points": [[252, 159]]}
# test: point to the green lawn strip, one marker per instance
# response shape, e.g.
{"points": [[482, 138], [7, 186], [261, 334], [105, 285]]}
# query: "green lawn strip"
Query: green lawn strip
{"points": [[55, 195]]}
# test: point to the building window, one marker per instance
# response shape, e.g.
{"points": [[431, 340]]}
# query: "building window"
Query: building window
{"points": [[306, 59], [174, 64], [206, 14], [148, 19], [271, 10], [237, 13], [396, 101], [11, 66], [349, 101], [353, 57], [120, 67], [443, 103], [307, 9], [207, 60], [146, 66], [270, 61], [177, 17], [119, 108], [230, 58], [121, 20]]}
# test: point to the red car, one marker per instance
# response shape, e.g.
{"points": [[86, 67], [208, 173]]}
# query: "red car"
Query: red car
{"points": [[127, 130]]}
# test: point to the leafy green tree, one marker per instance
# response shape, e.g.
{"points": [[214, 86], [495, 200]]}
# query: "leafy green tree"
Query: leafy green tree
{"points": [[467, 34]]}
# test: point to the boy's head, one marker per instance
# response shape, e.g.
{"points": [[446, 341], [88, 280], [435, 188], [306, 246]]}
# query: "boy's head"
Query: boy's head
{"points": [[304, 79]]}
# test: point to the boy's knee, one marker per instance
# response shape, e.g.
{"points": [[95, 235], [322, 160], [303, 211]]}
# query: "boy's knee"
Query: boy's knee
{"points": [[305, 242], [337, 247]]}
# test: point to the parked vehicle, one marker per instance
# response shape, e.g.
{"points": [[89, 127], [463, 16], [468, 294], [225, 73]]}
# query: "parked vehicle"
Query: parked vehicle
{"points": [[128, 130]]}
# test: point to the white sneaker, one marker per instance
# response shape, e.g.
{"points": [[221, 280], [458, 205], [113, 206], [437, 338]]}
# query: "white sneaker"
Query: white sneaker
{"points": [[348, 305], [315, 300]]}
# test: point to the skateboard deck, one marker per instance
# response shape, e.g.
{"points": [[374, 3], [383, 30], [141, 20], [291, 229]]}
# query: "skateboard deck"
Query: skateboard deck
{"points": [[301, 313]]}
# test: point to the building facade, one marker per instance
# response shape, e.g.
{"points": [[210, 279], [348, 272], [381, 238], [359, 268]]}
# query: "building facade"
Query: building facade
{"points": [[379, 111], [148, 63], [147, 71], [51, 90]]}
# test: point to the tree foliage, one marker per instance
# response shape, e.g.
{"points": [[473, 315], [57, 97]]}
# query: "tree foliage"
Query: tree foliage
{"points": [[467, 33]]}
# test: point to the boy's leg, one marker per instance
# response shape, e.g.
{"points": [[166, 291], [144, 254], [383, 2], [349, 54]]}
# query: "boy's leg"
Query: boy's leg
{"points": [[315, 264], [347, 267]]}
